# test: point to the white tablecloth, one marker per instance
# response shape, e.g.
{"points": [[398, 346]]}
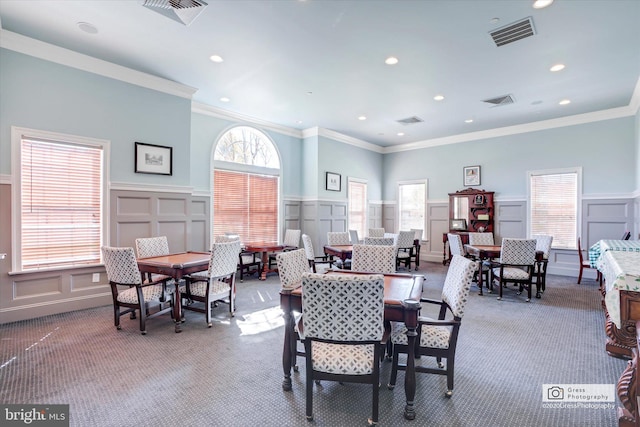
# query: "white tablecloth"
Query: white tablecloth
{"points": [[621, 271]]}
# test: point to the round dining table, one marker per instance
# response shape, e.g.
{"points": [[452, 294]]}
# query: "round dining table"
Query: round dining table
{"points": [[264, 248]]}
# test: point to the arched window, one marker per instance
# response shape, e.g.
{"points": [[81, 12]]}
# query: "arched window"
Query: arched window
{"points": [[245, 185]]}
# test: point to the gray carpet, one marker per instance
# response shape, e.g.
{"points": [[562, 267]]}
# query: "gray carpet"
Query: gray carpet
{"points": [[231, 374]]}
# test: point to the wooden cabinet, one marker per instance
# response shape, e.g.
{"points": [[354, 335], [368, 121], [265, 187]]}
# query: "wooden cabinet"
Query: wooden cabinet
{"points": [[470, 210]]}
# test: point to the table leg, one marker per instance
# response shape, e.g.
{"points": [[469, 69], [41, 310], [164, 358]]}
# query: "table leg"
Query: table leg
{"points": [[411, 322], [177, 307], [480, 276], [265, 265], [287, 350]]}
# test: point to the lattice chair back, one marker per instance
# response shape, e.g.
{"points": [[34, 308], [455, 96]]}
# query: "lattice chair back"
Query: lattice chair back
{"points": [[152, 246], [343, 307], [353, 234], [224, 259], [308, 247], [226, 238], [376, 232], [292, 238], [543, 244], [338, 238], [380, 241], [481, 239], [418, 233], [373, 258], [455, 244], [455, 291], [518, 251], [121, 265], [405, 239], [291, 266]]}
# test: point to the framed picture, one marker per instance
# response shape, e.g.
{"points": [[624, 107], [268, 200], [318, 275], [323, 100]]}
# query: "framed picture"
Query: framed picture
{"points": [[156, 159], [458, 224], [471, 175], [333, 181], [479, 199]]}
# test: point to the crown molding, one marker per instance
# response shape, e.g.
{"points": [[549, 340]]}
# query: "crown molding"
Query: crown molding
{"points": [[208, 110], [337, 136], [39, 49]]}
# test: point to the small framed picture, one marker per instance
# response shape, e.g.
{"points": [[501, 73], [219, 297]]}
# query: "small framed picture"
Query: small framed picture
{"points": [[155, 159], [458, 224], [479, 200], [333, 181], [471, 175]]}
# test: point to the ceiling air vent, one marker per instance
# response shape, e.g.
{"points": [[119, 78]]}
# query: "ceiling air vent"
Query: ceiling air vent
{"points": [[513, 32], [183, 11], [410, 120], [501, 100]]}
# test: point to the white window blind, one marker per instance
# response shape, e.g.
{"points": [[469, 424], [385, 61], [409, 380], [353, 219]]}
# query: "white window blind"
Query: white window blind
{"points": [[554, 206], [61, 204], [357, 193], [412, 205], [245, 204]]}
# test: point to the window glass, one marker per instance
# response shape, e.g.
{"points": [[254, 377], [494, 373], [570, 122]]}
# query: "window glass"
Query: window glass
{"points": [[357, 194], [412, 205], [247, 146]]}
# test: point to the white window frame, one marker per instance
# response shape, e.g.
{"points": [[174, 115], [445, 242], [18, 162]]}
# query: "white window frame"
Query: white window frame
{"points": [[426, 198], [578, 226], [366, 204], [17, 134]]}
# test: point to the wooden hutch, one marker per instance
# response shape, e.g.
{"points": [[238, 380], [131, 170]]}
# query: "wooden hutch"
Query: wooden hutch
{"points": [[470, 210]]}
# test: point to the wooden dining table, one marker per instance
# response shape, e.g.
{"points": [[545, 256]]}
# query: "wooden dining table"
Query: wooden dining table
{"points": [[264, 248], [343, 252], [176, 266], [487, 252], [402, 294]]}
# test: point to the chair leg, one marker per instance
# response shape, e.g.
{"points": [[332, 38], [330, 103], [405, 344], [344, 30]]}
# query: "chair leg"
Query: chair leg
{"points": [[375, 398], [309, 386], [208, 313], [500, 289], [580, 274], [116, 315], [394, 370], [143, 320], [450, 363]]}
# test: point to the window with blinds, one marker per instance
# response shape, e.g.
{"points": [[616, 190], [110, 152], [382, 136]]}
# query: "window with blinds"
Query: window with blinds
{"points": [[357, 195], [553, 206], [245, 204], [412, 205], [61, 204]]}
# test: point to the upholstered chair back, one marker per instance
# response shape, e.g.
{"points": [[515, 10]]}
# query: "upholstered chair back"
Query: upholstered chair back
{"points": [[376, 232], [338, 238], [455, 244], [121, 265], [481, 239], [292, 238], [226, 238], [380, 241], [418, 233], [334, 305], [308, 247], [518, 251], [291, 266], [455, 291], [374, 258], [353, 235], [543, 244], [405, 239], [224, 259], [152, 246]]}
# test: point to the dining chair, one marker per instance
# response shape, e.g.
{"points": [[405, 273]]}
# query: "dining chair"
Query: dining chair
{"points": [[374, 258], [584, 263], [142, 295], [219, 282], [455, 245], [339, 238], [626, 235], [484, 238], [417, 242], [543, 244], [311, 257], [353, 236], [516, 265], [405, 248], [376, 232], [291, 242], [248, 262], [438, 337], [147, 247], [344, 334], [292, 266]]}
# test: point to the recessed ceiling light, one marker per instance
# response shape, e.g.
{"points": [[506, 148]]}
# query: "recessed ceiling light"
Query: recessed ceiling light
{"points": [[494, 20], [299, 122], [225, 99], [438, 97], [565, 102], [362, 117], [557, 67], [469, 121], [87, 27], [216, 58], [400, 134], [538, 102], [539, 4], [309, 93], [392, 60]]}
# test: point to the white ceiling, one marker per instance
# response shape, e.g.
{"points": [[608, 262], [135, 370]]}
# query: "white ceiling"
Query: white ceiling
{"points": [[303, 64]]}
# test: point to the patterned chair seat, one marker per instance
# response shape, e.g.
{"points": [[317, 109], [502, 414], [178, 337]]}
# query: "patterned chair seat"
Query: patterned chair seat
{"points": [[200, 287], [511, 273], [342, 359], [149, 293], [430, 335]]}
